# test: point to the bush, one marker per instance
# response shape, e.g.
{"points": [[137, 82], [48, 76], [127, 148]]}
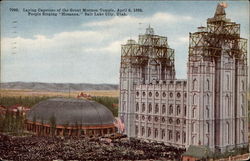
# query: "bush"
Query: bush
{"points": [[109, 103]]}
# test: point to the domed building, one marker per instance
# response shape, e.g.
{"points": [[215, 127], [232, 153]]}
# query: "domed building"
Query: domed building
{"points": [[70, 117]]}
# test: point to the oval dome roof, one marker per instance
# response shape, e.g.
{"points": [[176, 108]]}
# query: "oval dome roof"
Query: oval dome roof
{"points": [[68, 111]]}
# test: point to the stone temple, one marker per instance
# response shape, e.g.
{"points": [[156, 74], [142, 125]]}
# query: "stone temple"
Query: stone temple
{"points": [[208, 108]]}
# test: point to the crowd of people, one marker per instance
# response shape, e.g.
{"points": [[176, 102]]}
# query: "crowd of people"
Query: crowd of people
{"points": [[60, 148]]}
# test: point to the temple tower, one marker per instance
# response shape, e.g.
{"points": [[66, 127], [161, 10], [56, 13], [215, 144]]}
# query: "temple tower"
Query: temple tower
{"points": [[217, 78], [146, 62]]}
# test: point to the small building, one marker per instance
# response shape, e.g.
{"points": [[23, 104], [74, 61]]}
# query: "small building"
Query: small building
{"points": [[70, 117], [195, 153]]}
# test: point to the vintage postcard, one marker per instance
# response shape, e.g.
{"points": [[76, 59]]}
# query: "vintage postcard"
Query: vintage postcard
{"points": [[124, 80]]}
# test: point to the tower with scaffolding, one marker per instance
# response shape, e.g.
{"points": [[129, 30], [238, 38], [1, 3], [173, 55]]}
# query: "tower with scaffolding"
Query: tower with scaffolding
{"points": [[217, 80], [209, 108]]}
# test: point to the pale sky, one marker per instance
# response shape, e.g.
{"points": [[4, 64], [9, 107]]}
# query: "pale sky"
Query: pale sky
{"points": [[86, 49]]}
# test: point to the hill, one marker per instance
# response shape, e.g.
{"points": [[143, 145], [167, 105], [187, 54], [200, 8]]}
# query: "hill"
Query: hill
{"points": [[57, 87]]}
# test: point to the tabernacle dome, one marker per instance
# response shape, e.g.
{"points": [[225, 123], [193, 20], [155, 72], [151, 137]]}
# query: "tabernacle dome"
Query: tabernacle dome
{"points": [[70, 117]]}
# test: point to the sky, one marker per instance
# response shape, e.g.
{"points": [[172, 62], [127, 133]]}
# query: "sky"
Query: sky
{"points": [[87, 49]]}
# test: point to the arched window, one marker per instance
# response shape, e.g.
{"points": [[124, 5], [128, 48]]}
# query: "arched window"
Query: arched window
{"points": [[207, 140], [142, 131], [193, 126], [137, 94], [194, 84], [156, 133], [178, 109], [242, 124], [162, 119], [242, 85], [228, 83], [242, 110], [193, 112], [149, 108], [170, 134], [185, 110], [242, 136], [143, 107], [208, 99], [136, 130], [208, 127], [227, 130], [162, 134], [137, 107], [177, 136], [156, 119], [207, 111], [178, 121], [164, 94], [242, 98], [163, 109], [149, 118], [170, 121], [208, 86], [150, 94], [227, 104], [170, 109], [149, 132], [156, 108], [184, 137], [193, 139], [194, 99], [156, 94]]}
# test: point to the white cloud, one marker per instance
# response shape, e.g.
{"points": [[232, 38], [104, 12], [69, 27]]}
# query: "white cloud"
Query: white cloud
{"points": [[91, 55], [159, 17]]}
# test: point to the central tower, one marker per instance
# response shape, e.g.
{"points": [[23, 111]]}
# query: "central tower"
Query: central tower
{"points": [[217, 78], [146, 62]]}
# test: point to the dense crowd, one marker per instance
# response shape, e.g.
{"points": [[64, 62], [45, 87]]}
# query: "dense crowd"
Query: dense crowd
{"points": [[59, 148]]}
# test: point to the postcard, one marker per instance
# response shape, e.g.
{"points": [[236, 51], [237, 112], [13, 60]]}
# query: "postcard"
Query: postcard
{"points": [[127, 80]]}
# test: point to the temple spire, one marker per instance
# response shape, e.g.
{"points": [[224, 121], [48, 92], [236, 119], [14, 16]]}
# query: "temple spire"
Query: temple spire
{"points": [[150, 30]]}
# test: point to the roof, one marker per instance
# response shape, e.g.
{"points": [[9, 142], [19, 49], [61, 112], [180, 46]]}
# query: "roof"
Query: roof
{"points": [[71, 112], [199, 152]]}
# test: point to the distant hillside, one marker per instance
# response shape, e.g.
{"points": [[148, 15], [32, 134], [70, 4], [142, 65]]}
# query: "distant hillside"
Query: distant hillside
{"points": [[57, 87]]}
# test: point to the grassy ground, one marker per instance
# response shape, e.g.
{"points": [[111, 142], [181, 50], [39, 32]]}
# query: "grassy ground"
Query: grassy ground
{"points": [[24, 93]]}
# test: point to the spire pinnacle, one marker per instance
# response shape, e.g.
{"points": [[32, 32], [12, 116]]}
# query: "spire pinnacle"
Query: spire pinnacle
{"points": [[149, 30]]}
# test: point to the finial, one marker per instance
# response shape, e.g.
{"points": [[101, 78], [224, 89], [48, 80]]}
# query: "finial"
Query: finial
{"points": [[149, 30], [220, 10]]}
